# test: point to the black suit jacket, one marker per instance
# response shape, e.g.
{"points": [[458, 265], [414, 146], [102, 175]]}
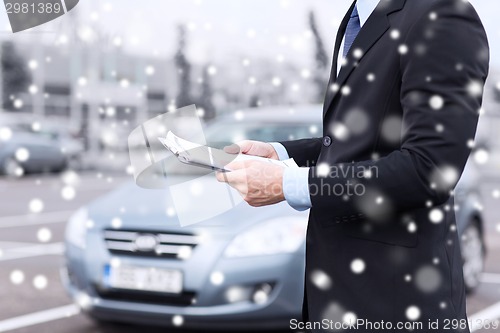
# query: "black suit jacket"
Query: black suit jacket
{"points": [[397, 122]]}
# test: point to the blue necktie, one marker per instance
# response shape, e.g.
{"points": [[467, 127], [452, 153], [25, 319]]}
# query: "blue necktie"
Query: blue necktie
{"points": [[352, 30]]}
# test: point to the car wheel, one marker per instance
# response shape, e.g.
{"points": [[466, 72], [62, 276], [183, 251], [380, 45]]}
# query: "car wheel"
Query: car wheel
{"points": [[74, 163], [12, 168], [473, 253]]}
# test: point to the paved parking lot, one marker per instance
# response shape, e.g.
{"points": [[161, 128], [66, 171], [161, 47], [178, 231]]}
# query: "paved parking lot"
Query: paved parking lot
{"points": [[32, 298]]}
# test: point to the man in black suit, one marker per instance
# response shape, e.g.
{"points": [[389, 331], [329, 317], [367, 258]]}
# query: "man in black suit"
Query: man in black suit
{"points": [[399, 120]]}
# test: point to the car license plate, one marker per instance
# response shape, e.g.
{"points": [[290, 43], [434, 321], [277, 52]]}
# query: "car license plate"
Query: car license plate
{"points": [[143, 278]]}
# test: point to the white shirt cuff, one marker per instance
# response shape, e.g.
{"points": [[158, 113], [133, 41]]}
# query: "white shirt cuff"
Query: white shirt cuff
{"points": [[280, 150], [296, 188]]}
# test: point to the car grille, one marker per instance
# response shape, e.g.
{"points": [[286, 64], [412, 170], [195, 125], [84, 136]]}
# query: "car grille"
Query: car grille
{"points": [[150, 244], [186, 298]]}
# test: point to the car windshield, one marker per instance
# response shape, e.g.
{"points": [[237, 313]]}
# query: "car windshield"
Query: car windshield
{"points": [[224, 133], [221, 134]]}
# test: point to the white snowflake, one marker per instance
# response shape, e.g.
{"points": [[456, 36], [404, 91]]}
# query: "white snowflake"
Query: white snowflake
{"points": [[17, 277], [436, 102], [340, 131], [395, 34], [321, 280], [33, 64], [5, 133], [305, 73], [260, 297], [115, 262], [323, 169], [346, 90], [349, 318], [149, 70], [412, 227], [116, 223], [124, 83], [403, 49], [358, 266], [235, 294], [413, 313], [357, 53], [212, 70], [276, 81], [334, 87], [68, 193], [44, 235], [475, 89], [40, 282], [436, 215], [36, 205], [217, 278], [481, 156], [33, 89], [22, 154], [18, 103]]}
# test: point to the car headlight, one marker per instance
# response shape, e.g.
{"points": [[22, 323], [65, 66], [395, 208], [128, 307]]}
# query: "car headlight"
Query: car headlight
{"points": [[77, 228], [279, 235]]}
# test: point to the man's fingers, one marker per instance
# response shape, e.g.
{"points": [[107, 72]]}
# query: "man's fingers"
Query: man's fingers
{"points": [[232, 149], [242, 147], [237, 165], [232, 177], [221, 176]]}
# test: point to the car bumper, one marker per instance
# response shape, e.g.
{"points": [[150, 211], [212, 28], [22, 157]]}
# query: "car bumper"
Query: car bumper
{"points": [[284, 303]]}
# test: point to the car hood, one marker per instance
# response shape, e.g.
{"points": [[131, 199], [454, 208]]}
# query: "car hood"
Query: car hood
{"points": [[148, 210]]}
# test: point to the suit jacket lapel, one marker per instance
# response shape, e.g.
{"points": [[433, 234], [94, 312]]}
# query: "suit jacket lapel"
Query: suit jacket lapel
{"points": [[338, 42], [376, 25]]}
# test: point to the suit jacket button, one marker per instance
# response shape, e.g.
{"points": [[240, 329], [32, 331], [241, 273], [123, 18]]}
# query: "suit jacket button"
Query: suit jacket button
{"points": [[327, 141]]}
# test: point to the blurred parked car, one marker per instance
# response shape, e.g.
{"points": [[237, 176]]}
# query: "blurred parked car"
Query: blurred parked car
{"points": [[37, 145], [128, 260], [29, 152], [71, 146]]}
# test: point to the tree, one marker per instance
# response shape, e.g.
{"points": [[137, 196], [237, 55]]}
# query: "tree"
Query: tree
{"points": [[15, 76], [207, 93], [183, 67], [321, 73]]}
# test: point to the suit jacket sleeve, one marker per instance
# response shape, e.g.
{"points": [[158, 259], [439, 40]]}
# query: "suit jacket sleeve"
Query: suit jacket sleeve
{"points": [[305, 152], [427, 165]]}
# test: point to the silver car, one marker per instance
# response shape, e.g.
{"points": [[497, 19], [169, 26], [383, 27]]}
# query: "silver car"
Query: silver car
{"points": [[128, 260]]}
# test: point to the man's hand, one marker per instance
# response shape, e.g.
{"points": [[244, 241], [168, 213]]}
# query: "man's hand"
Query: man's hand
{"points": [[254, 148], [259, 183]]}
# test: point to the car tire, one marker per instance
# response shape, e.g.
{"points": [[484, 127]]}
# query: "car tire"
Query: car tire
{"points": [[10, 167], [473, 255], [74, 162]]}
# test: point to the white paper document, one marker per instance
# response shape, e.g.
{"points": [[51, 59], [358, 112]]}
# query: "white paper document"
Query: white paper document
{"points": [[206, 157]]}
